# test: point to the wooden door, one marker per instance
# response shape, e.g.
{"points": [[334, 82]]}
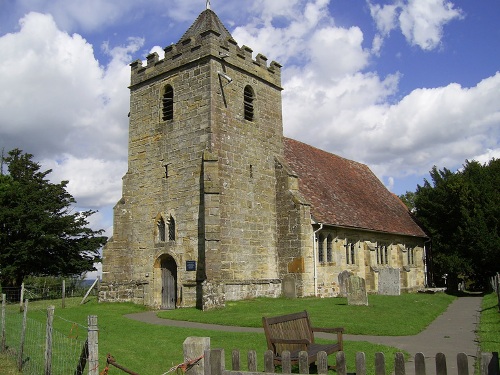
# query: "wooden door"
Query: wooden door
{"points": [[169, 284]]}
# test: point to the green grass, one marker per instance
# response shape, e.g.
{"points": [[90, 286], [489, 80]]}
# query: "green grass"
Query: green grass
{"points": [[407, 314], [8, 365], [489, 325], [152, 349]]}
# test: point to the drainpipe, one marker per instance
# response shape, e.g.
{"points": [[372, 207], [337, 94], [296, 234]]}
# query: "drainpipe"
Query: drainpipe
{"points": [[427, 259], [315, 261]]}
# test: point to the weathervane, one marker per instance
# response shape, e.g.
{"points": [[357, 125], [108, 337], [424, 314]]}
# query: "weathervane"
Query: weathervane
{"points": [[208, 4]]}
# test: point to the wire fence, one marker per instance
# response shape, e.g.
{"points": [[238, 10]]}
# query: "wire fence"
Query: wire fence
{"points": [[37, 293], [37, 348]]}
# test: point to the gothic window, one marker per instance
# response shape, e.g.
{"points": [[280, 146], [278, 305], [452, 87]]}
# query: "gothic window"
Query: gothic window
{"points": [[382, 254], [411, 256], [321, 250], [168, 103], [161, 229], [350, 253], [171, 229], [248, 99], [329, 242]]}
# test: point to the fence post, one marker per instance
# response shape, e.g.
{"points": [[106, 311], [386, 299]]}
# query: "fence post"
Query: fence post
{"points": [[322, 363], [497, 288], [303, 362], [235, 360], [462, 364], [216, 361], [341, 363], [360, 363], [194, 349], [23, 337], [252, 360], [419, 364], [63, 303], [379, 363], [286, 362], [441, 368], [268, 361], [48, 340], [93, 348], [2, 340], [399, 364], [21, 299]]}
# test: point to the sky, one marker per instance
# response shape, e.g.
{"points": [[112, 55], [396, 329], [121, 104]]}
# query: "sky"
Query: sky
{"points": [[399, 85]]}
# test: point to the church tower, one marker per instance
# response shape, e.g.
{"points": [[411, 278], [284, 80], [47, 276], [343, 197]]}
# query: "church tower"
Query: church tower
{"points": [[197, 221]]}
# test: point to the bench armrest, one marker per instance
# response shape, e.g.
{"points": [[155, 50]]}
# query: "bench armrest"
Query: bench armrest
{"points": [[329, 330]]}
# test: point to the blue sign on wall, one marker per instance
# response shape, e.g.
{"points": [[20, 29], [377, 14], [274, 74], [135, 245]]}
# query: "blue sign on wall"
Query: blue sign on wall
{"points": [[190, 265]]}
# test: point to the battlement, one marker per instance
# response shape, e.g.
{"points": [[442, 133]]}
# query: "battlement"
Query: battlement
{"points": [[206, 44]]}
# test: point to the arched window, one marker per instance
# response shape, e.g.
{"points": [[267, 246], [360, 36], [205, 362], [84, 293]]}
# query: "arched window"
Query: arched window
{"points": [[168, 103], [248, 98], [171, 229], [329, 241], [161, 229], [321, 249], [411, 256], [350, 252]]}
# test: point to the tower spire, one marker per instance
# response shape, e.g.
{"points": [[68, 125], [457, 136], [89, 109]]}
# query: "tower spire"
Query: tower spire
{"points": [[208, 4]]}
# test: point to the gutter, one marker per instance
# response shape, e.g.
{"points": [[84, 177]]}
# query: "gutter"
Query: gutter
{"points": [[315, 260]]}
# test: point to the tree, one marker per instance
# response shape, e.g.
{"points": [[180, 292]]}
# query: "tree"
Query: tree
{"points": [[461, 212], [40, 235]]}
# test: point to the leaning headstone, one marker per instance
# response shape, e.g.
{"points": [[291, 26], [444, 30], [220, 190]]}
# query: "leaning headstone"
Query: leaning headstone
{"points": [[289, 289], [343, 276], [356, 291], [389, 282]]}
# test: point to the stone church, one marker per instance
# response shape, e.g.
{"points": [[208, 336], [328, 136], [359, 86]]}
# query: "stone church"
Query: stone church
{"points": [[218, 205]]}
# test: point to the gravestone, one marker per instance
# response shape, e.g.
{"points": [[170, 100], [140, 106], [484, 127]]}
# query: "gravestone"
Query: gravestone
{"points": [[289, 289], [343, 276], [356, 291], [389, 282]]}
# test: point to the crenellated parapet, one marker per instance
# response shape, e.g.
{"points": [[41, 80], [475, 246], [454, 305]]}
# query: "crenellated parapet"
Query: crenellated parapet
{"points": [[208, 44]]}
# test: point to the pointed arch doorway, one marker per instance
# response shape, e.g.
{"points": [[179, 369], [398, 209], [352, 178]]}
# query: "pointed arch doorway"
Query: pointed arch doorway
{"points": [[168, 268]]}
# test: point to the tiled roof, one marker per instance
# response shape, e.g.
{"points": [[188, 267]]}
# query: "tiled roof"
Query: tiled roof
{"points": [[346, 193], [207, 21]]}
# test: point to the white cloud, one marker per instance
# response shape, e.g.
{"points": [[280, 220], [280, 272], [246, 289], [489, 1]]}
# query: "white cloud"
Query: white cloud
{"points": [[385, 16], [59, 104], [420, 21]]}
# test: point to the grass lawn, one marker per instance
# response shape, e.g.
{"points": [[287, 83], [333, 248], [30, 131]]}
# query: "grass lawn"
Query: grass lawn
{"points": [[489, 324], [150, 349], [407, 314]]}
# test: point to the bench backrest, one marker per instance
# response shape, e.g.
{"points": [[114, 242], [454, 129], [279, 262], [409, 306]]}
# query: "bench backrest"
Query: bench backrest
{"points": [[288, 327]]}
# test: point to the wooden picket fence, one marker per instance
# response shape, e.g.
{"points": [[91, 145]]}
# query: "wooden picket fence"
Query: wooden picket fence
{"points": [[214, 364]]}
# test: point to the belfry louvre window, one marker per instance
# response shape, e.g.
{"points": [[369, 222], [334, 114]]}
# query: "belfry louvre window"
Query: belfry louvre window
{"points": [[168, 103], [248, 102]]}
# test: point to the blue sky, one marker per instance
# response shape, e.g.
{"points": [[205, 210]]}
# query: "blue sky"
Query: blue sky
{"points": [[400, 85]]}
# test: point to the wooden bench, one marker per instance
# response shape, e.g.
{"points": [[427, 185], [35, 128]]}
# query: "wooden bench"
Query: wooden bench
{"points": [[294, 333]]}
